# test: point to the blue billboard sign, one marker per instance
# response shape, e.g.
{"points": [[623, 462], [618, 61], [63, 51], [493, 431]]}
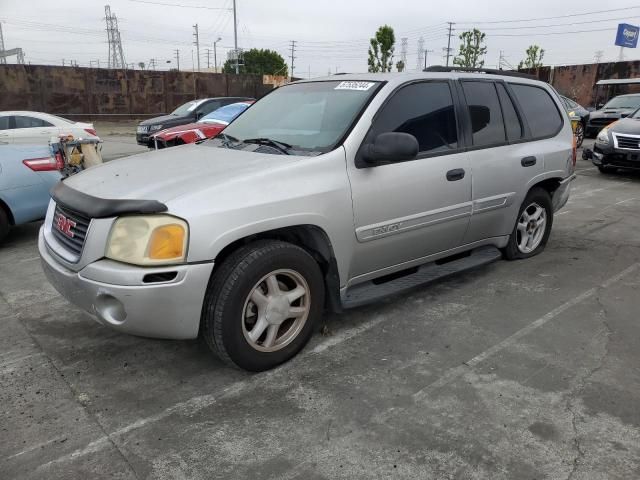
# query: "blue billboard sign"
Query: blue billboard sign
{"points": [[627, 35]]}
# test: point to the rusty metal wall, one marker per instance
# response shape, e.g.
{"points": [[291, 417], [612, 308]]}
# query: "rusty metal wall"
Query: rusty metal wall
{"points": [[579, 81], [90, 91]]}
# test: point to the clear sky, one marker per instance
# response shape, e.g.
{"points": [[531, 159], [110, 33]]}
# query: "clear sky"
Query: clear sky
{"points": [[330, 34]]}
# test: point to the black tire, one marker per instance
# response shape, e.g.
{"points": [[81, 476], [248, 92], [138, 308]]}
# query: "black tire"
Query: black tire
{"points": [[542, 198], [4, 224], [605, 169], [230, 285], [580, 134]]}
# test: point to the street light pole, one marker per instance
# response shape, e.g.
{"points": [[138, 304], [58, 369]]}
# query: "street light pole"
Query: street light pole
{"points": [[235, 37], [215, 56]]}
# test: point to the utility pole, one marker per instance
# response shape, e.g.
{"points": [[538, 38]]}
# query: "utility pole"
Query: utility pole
{"points": [[451, 24], [426, 54], [293, 50], [208, 55], [598, 56], [177, 59], [152, 64], [215, 56], [3, 60], [235, 37], [197, 43]]}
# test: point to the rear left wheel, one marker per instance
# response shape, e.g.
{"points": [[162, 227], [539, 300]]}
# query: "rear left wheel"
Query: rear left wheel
{"points": [[533, 226]]}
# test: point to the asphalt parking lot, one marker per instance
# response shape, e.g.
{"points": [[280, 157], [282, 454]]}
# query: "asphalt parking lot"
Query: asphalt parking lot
{"points": [[519, 370]]}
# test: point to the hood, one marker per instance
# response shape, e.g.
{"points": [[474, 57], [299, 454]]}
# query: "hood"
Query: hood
{"points": [[173, 131], [169, 173], [627, 125], [167, 120], [612, 112]]}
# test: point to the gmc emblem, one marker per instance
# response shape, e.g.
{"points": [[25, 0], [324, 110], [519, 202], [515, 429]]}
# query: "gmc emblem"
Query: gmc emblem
{"points": [[64, 225]]}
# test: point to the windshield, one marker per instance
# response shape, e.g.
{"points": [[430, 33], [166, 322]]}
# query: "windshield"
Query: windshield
{"points": [[624, 102], [186, 108], [225, 114], [311, 117]]}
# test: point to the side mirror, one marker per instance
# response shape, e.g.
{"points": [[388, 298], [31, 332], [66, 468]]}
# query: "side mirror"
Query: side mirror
{"points": [[390, 147], [600, 105]]}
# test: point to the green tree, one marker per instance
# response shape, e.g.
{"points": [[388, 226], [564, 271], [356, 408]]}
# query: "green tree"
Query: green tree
{"points": [[534, 57], [400, 66], [259, 62], [472, 49], [381, 50]]}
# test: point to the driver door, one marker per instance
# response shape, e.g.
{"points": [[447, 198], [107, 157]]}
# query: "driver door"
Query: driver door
{"points": [[407, 210]]}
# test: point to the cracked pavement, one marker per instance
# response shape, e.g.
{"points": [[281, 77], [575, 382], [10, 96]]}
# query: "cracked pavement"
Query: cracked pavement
{"points": [[519, 370]]}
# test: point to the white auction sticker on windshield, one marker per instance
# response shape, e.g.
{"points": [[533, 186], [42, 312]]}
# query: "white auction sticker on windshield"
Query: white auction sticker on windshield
{"points": [[360, 86]]}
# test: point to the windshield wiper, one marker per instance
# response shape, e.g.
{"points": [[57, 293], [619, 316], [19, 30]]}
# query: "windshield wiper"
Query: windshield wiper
{"points": [[227, 140], [280, 146]]}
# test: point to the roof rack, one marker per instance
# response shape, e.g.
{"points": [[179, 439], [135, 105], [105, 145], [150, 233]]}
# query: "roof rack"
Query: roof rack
{"points": [[490, 71]]}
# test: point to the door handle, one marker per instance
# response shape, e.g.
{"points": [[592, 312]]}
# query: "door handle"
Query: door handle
{"points": [[455, 174], [528, 161]]}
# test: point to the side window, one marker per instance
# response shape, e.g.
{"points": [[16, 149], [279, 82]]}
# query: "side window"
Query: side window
{"points": [[539, 109], [4, 123], [487, 125], [30, 122], [208, 108], [512, 122], [424, 110]]}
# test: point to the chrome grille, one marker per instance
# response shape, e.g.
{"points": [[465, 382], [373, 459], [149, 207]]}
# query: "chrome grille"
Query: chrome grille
{"points": [[628, 143], [70, 229]]}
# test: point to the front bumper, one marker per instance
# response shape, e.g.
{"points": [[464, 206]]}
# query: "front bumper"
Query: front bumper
{"points": [[143, 139], [615, 157], [117, 296]]}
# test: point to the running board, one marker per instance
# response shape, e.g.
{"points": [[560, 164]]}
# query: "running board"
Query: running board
{"points": [[368, 292]]}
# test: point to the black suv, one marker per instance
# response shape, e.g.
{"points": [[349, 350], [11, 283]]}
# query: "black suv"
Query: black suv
{"points": [[188, 113]]}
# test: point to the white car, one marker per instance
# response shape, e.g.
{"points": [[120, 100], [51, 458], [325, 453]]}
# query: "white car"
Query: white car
{"points": [[36, 127]]}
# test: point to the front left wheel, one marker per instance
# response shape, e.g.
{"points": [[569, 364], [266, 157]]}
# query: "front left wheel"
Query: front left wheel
{"points": [[262, 304]]}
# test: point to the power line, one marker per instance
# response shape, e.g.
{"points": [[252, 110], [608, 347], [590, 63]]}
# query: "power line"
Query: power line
{"points": [[552, 18], [181, 5], [547, 33]]}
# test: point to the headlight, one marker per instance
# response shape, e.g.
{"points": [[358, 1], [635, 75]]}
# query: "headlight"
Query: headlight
{"points": [[148, 240], [155, 128], [603, 137]]}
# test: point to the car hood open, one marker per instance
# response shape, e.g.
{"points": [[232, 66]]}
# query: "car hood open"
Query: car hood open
{"points": [[166, 174]]}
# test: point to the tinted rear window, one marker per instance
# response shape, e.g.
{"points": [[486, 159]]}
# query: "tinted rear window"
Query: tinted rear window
{"points": [[539, 109], [511, 119], [484, 110]]}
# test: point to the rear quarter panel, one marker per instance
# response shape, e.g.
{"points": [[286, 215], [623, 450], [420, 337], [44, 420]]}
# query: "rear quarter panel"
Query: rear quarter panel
{"points": [[25, 192]]}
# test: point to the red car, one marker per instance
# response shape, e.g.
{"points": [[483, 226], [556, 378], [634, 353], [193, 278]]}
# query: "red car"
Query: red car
{"points": [[207, 127]]}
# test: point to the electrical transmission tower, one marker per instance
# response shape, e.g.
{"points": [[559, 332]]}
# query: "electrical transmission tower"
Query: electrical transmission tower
{"points": [[598, 56], [7, 53], [420, 54], [116, 55], [403, 52]]}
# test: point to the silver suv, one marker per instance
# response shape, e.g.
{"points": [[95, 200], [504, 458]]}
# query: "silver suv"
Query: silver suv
{"points": [[325, 194]]}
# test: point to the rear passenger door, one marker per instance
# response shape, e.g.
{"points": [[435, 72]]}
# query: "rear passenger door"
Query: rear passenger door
{"points": [[501, 157], [5, 128]]}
